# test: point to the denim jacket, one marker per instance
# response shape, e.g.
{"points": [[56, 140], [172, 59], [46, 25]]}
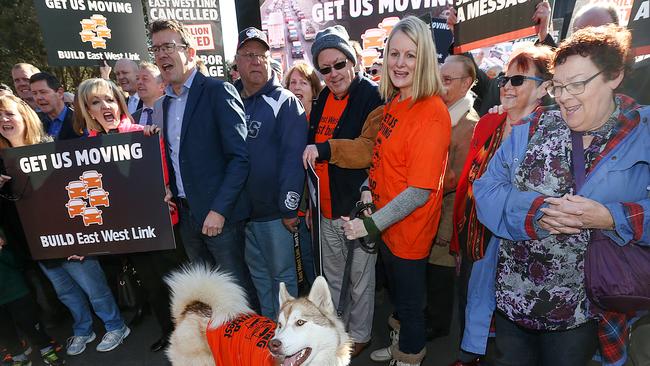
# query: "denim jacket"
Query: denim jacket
{"points": [[621, 181]]}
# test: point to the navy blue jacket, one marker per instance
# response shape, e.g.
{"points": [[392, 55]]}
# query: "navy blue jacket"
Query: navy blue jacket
{"points": [[213, 156], [277, 136]]}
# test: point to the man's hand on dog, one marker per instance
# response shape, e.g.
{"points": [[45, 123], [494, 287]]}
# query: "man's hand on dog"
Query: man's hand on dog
{"points": [[213, 224]]}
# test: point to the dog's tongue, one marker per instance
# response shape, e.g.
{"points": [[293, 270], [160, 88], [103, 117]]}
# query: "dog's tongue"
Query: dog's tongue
{"points": [[297, 358]]}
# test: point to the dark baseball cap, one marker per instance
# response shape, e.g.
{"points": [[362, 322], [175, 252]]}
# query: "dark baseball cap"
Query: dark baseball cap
{"points": [[252, 33]]}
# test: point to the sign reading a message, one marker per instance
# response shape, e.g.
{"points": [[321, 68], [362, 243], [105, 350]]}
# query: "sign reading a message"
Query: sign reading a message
{"points": [[101, 195], [86, 32]]}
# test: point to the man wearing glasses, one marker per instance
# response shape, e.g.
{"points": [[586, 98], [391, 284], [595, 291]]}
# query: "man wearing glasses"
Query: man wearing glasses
{"points": [[205, 140], [339, 113], [277, 135]]}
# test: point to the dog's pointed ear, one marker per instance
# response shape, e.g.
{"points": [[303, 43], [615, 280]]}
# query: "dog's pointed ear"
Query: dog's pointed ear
{"points": [[284, 294], [320, 295]]}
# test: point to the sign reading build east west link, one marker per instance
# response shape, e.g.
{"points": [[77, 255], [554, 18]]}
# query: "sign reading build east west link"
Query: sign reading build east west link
{"points": [[90, 196], [84, 32]]}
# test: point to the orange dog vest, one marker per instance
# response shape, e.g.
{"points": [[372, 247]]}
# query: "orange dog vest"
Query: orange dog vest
{"points": [[242, 341]]}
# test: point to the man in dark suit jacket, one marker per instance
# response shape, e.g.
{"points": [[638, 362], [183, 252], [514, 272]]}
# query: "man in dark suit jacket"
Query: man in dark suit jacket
{"points": [[57, 118], [205, 141]]}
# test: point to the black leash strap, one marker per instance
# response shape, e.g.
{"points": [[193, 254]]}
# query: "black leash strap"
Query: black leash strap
{"points": [[303, 288], [356, 212]]}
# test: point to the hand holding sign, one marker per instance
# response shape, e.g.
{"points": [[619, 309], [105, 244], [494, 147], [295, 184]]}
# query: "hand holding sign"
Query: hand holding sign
{"points": [[4, 179]]}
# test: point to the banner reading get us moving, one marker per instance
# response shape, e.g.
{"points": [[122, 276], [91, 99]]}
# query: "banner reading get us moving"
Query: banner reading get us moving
{"points": [[639, 24], [91, 196], [487, 22], [203, 18], [84, 32]]}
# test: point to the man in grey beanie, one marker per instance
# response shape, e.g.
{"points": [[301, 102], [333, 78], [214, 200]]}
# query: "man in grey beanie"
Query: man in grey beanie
{"points": [[339, 113]]}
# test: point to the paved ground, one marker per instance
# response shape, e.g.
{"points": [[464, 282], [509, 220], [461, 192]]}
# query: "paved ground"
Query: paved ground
{"points": [[135, 350]]}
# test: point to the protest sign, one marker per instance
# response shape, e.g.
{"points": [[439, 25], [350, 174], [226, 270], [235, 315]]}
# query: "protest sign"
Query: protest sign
{"points": [[101, 195], [203, 19], [314, 206], [84, 32], [639, 25], [292, 26], [487, 22]]}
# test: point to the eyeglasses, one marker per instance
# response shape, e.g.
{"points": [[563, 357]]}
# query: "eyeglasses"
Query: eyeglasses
{"points": [[337, 66], [167, 48], [575, 88], [517, 80], [447, 80], [233, 67], [254, 56]]}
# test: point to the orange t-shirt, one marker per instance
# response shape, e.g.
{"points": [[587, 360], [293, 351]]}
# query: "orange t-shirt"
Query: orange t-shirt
{"points": [[411, 151], [242, 341], [328, 121]]}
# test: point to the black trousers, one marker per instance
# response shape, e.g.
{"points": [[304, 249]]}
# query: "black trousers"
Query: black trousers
{"points": [[22, 316], [152, 267], [440, 298]]}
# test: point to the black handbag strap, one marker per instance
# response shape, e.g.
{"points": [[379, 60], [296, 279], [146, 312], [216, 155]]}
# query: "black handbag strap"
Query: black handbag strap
{"points": [[578, 161]]}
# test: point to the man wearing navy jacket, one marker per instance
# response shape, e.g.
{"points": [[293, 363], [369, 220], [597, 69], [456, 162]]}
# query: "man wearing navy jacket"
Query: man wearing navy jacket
{"points": [[205, 143], [277, 135]]}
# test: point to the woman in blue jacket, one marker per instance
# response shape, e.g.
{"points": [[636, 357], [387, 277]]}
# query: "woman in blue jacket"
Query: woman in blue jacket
{"points": [[527, 198]]}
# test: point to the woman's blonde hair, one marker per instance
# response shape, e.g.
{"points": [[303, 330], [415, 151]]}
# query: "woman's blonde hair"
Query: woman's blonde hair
{"points": [[426, 79], [34, 132], [86, 90]]}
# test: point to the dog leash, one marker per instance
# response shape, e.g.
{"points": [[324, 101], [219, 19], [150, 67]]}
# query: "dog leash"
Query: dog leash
{"points": [[303, 287], [370, 248]]}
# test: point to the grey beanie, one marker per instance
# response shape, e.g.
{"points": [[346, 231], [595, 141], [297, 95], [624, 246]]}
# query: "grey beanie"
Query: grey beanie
{"points": [[332, 37]]}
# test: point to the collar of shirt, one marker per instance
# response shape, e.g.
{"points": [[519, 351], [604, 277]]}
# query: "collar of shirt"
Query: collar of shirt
{"points": [[169, 91], [61, 116]]}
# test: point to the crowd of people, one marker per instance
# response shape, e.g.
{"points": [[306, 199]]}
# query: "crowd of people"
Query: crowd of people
{"points": [[467, 185]]}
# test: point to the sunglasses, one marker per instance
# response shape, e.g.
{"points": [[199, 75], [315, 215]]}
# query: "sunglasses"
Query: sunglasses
{"points": [[336, 66], [517, 80], [374, 71]]}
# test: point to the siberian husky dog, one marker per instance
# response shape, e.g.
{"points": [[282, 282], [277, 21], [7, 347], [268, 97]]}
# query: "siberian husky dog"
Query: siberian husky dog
{"points": [[214, 322]]}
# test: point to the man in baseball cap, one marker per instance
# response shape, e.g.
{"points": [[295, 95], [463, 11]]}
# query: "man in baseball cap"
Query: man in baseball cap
{"points": [[277, 132]]}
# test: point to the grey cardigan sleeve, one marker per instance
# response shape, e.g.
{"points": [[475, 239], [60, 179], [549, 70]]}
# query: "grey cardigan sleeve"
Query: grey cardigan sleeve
{"points": [[400, 207]]}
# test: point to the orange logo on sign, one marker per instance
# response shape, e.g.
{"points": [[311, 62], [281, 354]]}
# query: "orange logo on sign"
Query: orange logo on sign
{"points": [[85, 195]]}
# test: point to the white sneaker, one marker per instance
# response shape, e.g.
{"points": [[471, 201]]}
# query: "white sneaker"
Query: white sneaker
{"points": [[77, 344], [113, 339], [381, 355]]}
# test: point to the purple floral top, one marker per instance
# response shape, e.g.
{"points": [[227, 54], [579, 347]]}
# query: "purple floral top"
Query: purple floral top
{"points": [[540, 283]]}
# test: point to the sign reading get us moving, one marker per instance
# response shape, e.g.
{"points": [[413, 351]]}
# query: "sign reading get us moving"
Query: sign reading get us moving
{"points": [[639, 24], [487, 22], [84, 32], [203, 18], [91, 196]]}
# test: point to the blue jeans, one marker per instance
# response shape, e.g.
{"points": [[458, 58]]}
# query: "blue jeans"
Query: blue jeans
{"points": [[76, 282], [270, 259], [407, 284], [517, 346], [225, 250]]}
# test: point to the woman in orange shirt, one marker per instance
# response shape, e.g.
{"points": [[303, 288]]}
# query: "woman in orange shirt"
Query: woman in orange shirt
{"points": [[405, 182]]}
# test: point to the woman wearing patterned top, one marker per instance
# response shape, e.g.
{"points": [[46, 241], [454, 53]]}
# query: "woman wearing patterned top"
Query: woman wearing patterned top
{"points": [[528, 199], [522, 90]]}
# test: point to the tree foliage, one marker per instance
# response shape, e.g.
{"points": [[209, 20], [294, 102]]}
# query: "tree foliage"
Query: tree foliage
{"points": [[21, 40]]}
